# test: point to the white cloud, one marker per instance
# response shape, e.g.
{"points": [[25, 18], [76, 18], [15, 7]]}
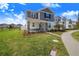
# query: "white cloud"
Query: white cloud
{"points": [[22, 3], [20, 18], [4, 6], [54, 5], [11, 10], [3, 10], [70, 14], [16, 19], [11, 17], [9, 20]]}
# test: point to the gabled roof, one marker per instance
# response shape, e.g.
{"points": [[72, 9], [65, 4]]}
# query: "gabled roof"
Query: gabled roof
{"points": [[43, 9], [47, 10]]}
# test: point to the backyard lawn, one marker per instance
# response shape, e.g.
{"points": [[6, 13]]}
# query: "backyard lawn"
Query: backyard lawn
{"points": [[76, 35], [12, 43]]}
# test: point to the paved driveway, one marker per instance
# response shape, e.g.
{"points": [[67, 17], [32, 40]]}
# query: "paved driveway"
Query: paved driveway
{"points": [[70, 43]]}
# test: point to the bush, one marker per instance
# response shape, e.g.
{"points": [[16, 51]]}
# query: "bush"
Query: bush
{"points": [[77, 25]]}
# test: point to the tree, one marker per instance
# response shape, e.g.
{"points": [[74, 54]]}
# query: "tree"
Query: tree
{"points": [[77, 25], [59, 27], [78, 17], [11, 26]]}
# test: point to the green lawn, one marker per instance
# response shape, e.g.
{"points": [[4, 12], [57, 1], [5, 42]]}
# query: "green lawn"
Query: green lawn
{"points": [[61, 32], [76, 35], [13, 43], [58, 32]]}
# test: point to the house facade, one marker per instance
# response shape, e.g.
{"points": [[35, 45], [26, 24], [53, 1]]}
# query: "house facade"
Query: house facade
{"points": [[69, 24], [4, 25], [59, 23], [45, 20], [40, 21]]}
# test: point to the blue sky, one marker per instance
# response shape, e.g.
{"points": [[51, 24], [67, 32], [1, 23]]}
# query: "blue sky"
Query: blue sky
{"points": [[15, 12]]}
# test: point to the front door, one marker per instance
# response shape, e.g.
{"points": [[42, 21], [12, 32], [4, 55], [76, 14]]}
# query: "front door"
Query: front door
{"points": [[43, 27], [40, 27]]}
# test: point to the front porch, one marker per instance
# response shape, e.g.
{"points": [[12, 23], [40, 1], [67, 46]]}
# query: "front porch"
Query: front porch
{"points": [[36, 25]]}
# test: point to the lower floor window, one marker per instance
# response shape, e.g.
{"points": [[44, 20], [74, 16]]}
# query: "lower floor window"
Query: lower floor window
{"points": [[49, 25], [33, 25], [69, 26]]}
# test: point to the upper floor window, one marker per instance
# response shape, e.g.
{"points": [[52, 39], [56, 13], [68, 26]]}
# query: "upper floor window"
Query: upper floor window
{"points": [[36, 15], [47, 15], [31, 15]]}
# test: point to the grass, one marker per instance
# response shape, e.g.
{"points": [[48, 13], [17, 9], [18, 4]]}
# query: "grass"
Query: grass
{"points": [[76, 35], [12, 43], [58, 32], [61, 32]]}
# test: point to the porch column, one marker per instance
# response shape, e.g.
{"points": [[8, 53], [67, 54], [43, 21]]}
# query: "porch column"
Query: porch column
{"points": [[46, 26], [38, 15], [28, 26], [39, 26]]}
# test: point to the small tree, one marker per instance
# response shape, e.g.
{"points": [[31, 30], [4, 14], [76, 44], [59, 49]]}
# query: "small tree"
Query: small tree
{"points": [[77, 25], [11, 27], [59, 27]]}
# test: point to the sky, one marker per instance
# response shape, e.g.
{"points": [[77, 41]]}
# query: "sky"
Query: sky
{"points": [[16, 12]]}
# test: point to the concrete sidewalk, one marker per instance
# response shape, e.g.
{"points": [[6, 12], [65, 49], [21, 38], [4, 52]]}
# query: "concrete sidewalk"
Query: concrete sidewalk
{"points": [[70, 43]]}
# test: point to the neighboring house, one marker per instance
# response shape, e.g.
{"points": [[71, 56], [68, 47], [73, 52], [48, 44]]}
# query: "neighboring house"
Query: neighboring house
{"points": [[45, 20], [65, 23], [15, 25], [19, 25], [74, 23], [59, 23], [12, 25], [4, 25], [8, 25], [40, 21], [78, 17], [70, 24]]}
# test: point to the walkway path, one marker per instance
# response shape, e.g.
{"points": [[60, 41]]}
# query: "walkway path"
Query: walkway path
{"points": [[70, 43]]}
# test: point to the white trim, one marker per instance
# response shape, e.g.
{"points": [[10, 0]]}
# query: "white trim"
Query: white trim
{"points": [[46, 12]]}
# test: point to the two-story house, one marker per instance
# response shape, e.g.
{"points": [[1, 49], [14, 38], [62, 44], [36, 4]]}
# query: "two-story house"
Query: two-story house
{"points": [[59, 23], [70, 24], [45, 20], [40, 21]]}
